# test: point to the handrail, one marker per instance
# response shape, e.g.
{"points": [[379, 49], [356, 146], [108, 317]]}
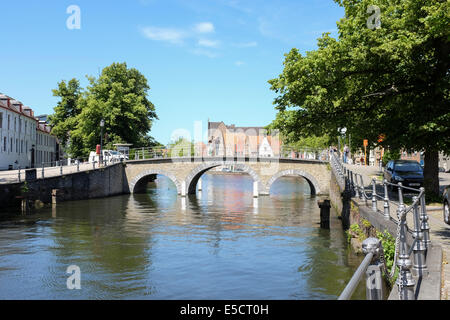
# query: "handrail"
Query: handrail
{"points": [[354, 281]]}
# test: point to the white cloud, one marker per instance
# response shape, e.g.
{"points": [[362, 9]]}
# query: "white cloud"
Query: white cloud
{"points": [[246, 44], [239, 63], [203, 52], [208, 43], [164, 34], [204, 27]]}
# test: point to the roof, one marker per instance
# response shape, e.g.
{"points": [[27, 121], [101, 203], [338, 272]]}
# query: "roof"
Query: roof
{"points": [[16, 106]]}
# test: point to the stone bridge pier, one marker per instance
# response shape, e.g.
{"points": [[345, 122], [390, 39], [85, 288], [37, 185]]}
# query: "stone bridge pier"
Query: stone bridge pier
{"points": [[186, 172]]}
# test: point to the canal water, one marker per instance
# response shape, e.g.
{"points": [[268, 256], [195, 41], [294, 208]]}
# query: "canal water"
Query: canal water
{"points": [[220, 244]]}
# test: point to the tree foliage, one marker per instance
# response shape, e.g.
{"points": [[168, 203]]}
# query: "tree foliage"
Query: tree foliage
{"points": [[119, 96], [63, 119], [392, 80]]}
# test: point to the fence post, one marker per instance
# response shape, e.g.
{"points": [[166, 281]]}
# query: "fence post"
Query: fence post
{"points": [[375, 287], [362, 188], [419, 266], [374, 195], [355, 184], [387, 214], [405, 281], [424, 226]]}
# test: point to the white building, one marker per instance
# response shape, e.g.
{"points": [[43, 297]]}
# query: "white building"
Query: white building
{"points": [[17, 134], [46, 145], [24, 141]]}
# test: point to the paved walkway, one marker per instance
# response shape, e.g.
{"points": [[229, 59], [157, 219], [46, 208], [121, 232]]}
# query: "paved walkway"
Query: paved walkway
{"points": [[439, 230], [12, 176]]}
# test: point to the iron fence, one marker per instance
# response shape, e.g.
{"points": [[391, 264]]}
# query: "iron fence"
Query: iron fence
{"points": [[353, 182]]}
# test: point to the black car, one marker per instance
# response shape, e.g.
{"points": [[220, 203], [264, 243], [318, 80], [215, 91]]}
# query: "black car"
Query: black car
{"points": [[408, 172], [446, 204]]}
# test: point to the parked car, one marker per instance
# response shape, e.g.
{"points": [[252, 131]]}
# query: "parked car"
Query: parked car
{"points": [[446, 205], [408, 172], [108, 155]]}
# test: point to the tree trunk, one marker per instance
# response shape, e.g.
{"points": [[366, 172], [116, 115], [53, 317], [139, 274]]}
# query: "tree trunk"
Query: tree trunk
{"points": [[431, 172]]}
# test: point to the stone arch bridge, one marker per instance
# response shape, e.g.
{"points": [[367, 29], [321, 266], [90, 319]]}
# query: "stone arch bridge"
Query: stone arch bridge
{"points": [[185, 172]]}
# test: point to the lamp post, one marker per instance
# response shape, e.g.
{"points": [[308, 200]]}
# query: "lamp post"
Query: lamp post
{"points": [[102, 124]]}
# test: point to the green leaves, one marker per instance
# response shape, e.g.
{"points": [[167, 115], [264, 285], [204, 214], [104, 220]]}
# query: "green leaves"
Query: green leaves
{"points": [[393, 80], [119, 96]]}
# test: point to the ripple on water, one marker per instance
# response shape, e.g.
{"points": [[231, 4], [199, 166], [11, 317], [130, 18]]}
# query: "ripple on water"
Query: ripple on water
{"points": [[220, 244]]}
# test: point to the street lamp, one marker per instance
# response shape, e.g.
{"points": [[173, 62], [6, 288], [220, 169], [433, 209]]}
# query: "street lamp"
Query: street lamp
{"points": [[102, 124]]}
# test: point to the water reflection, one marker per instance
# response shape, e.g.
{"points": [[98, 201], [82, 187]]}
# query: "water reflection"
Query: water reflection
{"points": [[218, 244]]}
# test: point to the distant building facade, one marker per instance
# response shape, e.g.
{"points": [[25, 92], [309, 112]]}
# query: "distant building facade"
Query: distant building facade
{"points": [[230, 140], [22, 137]]}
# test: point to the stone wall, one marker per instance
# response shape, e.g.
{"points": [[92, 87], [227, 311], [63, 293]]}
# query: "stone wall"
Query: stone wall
{"points": [[96, 183]]}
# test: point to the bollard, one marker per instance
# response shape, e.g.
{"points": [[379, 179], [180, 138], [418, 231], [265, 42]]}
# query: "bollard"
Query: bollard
{"points": [[324, 213], [405, 281], [61, 170], [42, 171], [375, 286], [387, 214], [19, 174], [374, 195], [419, 266]]}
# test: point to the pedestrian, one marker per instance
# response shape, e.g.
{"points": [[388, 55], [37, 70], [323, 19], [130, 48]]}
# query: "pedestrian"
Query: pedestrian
{"points": [[346, 152]]}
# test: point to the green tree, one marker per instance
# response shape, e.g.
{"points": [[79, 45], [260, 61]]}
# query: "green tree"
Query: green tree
{"points": [[63, 119], [391, 80], [181, 147], [119, 96]]}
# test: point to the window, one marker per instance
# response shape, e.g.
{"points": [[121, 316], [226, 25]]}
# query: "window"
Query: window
{"points": [[1, 120], [4, 144], [9, 121], [11, 145], [17, 145]]}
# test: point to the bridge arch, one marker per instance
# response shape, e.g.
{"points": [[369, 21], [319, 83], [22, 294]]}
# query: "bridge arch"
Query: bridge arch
{"points": [[313, 184], [193, 177], [144, 176]]}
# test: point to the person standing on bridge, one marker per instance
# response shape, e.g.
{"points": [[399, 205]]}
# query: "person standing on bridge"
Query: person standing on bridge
{"points": [[346, 152]]}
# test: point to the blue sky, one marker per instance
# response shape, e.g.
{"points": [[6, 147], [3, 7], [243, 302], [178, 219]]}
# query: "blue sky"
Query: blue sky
{"points": [[203, 59]]}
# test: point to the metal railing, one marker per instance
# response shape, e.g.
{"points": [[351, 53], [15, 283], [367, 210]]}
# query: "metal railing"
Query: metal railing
{"points": [[187, 151], [353, 182], [55, 168]]}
